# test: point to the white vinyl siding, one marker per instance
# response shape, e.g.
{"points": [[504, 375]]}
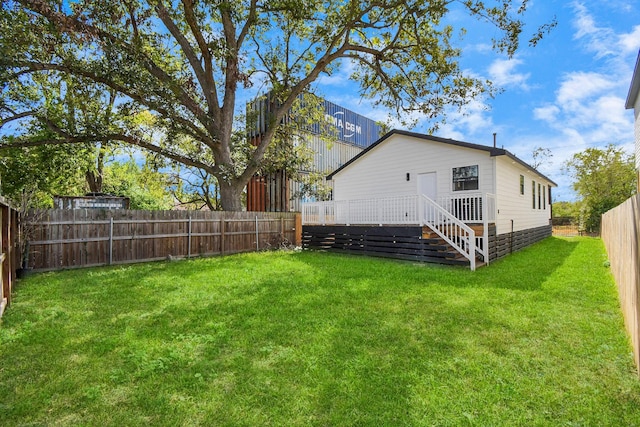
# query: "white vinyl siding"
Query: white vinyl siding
{"points": [[636, 114], [382, 171], [522, 209]]}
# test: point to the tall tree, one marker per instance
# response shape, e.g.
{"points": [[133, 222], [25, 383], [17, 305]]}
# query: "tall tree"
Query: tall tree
{"points": [[603, 178], [145, 187], [540, 156], [186, 61]]}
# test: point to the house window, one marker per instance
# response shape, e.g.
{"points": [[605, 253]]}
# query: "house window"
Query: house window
{"points": [[539, 196], [544, 197], [522, 185], [533, 193], [465, 178]]}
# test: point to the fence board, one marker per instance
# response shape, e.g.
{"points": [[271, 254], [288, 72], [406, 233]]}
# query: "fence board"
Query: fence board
{"points": [[9, 253], [621, 237], [90, 237]]}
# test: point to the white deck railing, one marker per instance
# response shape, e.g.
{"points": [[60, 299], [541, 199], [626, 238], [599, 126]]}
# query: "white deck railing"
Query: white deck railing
{"points": [[455, 232], [447, 218], [388, 210], [471, 208]]}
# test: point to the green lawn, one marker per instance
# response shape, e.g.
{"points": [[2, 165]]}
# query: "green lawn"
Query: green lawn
{"points": [[309, 338]]}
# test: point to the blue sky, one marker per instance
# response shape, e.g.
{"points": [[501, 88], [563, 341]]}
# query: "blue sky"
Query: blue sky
{"points": [[566, 94]]}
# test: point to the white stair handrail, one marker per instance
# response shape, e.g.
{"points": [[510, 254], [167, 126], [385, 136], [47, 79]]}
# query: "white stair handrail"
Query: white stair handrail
{"points": [[456, 233]]}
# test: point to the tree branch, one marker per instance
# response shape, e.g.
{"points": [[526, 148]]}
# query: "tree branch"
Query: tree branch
{"points": [[187, 125], [129, 139], [73, 24], [17, 117], [251, 19], [204, 76]]}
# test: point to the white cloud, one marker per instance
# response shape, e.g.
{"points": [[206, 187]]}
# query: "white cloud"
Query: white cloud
{"points": [[339, 77], [502, 73], [474, 119], [547, 113], [485, 48], [578, 86], [588, 104], [629, 43], [600, 40]]}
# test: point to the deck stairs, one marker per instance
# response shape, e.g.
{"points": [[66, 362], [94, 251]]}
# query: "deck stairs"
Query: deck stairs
{"points": [[448, 252]]}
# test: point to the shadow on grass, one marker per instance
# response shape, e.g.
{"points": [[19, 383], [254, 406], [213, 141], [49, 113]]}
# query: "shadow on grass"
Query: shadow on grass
{"points": [[528, 268], [523, 270]]}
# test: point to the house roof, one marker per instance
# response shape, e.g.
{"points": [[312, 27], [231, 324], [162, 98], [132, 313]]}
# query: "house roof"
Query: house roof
{"points": [[635, 86], [493, 151]]}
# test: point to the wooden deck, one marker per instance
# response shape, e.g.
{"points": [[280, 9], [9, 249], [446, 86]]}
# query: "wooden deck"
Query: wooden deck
{"points": [[400, 242]]}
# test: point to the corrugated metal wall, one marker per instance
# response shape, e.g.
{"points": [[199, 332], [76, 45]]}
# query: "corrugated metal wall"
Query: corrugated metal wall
{"points": [[353, 132], [349, 126]]}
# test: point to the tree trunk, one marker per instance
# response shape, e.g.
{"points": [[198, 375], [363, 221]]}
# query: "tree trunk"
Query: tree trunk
{"points": [[231, 195], [94, 181], [95, 178]]}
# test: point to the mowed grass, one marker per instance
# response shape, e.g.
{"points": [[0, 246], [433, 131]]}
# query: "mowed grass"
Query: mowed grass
{"points": [[309, 338]]}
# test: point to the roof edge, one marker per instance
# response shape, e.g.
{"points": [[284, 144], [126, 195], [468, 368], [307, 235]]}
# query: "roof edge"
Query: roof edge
{"points": [[635, 86], [531, 168], [493, 151]]}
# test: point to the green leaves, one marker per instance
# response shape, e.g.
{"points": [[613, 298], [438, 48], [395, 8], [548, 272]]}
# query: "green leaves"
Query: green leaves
{"points": [[603, 178]]}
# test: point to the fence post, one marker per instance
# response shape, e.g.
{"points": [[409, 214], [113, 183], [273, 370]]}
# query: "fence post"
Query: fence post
{"points": [[110, 240], [189, 239], [222, 235], [257, 241], [5, 292], [298, 230]]}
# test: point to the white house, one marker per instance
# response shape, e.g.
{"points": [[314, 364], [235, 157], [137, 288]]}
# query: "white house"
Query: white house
{"points": [[633, 102], [456, 189]]}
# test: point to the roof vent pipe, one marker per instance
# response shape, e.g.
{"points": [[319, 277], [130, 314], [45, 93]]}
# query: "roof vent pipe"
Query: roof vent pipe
{"points": [[494, 139]]}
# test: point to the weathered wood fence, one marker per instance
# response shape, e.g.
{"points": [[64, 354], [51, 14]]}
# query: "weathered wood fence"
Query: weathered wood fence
{"points": [[9, 255], [82, 238], [621, 235]]}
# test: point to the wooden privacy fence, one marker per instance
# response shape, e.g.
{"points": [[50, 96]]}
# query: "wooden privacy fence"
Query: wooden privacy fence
{"points": [[621, 236], [9, 256], [89, 237]]}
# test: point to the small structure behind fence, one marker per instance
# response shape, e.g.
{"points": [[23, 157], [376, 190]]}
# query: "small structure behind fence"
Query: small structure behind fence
{"points": [[89, 237], [621, 236]]}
